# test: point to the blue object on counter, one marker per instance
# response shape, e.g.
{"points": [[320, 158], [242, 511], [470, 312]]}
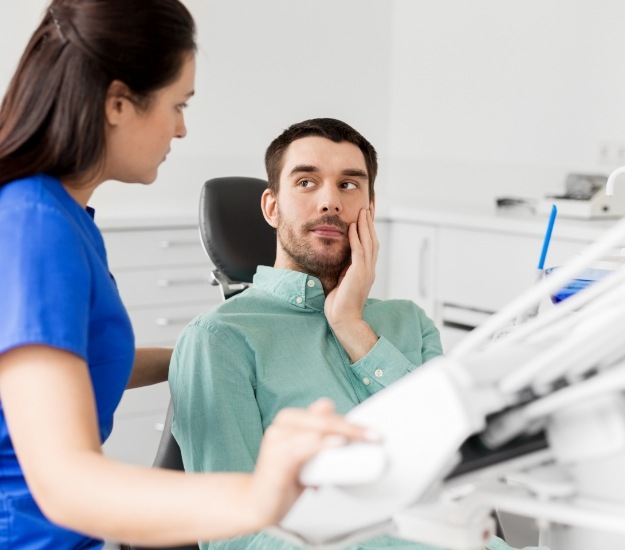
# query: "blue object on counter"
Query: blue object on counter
{"points": [[586, 278], [546, 241]]}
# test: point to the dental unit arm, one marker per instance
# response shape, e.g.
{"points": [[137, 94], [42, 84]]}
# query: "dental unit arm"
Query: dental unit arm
{"points": [[532, 423]]}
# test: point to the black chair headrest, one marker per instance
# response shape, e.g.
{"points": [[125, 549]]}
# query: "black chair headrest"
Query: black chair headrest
{"points": [[234, 232]]}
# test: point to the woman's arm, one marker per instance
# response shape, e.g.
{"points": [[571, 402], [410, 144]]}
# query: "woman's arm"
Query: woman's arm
{"points": [[150, 367], [49, 406]]}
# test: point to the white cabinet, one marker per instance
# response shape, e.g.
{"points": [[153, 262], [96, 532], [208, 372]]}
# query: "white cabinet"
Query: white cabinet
{"points": [[163, 276], [461, 268], [412, 263], [480, 271], [486, 269]]}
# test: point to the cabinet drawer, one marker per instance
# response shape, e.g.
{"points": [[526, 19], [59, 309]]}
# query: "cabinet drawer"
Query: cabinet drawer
{"points": [[486, 270], [148, 399], [136, 439], [160, 326], [162, 247], [166, 286]]}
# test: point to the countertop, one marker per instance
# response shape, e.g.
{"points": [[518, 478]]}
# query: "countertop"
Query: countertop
{"points": [[476, 216], [489, 217], [123, 223]]}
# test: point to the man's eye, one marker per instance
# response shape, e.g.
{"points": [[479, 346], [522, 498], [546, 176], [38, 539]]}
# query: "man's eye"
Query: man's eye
{"points": [[349, 185], [306, 183]]}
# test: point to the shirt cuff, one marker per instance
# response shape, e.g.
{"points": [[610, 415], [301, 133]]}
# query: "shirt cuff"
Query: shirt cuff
{"points": [[383, 365]]}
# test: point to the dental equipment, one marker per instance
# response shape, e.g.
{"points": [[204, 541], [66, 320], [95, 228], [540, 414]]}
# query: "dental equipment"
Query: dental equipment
{"points": [[609, 186], [547, 239], [540, 270], [585, 197]]}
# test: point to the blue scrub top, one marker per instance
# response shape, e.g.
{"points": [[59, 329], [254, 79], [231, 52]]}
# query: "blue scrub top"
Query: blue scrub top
{"points": [[56, 290]]}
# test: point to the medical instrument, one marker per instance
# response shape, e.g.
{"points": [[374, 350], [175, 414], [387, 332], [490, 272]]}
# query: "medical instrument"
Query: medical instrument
{"points": [[540, 269], [532, 423], [547, 239], [585, 197], [515, 202]]}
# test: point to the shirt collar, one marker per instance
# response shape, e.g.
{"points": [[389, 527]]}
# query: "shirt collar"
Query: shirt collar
{"points": [[296, 288]]}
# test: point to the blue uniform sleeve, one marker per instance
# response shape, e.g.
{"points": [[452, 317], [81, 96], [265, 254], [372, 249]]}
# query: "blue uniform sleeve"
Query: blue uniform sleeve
{"points": [[45, 280]]}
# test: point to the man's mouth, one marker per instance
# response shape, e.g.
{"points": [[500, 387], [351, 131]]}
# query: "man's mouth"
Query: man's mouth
{"points": [[328, 231], [329, 227]]}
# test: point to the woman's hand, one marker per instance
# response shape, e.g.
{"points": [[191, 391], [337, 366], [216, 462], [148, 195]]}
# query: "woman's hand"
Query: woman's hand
{"points": [[294, 437]]}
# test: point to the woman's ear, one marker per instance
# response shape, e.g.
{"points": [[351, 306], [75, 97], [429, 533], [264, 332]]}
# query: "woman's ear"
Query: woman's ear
{"points": [[269, 206], [117, 102]]}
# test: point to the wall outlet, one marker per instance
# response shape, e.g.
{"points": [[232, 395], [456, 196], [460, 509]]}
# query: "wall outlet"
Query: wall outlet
{"points": [[611, 153]]}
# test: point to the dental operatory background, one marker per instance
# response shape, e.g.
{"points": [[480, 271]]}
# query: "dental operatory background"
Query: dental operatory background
{"points": [[465, 101]]}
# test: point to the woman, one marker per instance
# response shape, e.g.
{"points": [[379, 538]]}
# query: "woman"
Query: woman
{"points": [[98, 95]]}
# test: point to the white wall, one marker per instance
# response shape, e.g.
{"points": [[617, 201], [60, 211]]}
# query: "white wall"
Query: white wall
{"points": [[503, 97], [463, 100], [261, 67]]}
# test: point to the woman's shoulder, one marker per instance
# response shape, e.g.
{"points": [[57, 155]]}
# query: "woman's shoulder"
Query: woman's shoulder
{"points": [[36, 216], [29, 193], [36, 197]]}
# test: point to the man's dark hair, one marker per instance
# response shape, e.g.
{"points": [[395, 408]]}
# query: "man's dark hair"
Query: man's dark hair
{"points": [[329, 128]]}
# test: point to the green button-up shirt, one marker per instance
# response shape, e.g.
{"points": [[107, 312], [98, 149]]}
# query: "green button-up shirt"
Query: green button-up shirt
{"points": [[271, 347]]}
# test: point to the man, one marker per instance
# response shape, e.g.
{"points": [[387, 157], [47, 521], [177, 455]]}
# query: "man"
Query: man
{"points": [[306, 328]]}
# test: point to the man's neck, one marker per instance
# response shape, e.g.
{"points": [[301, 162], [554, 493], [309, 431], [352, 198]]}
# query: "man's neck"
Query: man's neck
{"points": [[328, 284]]}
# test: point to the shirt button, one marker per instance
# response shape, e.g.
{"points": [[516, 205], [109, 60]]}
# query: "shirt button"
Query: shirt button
{"points": [[379, 373], [299, 299], [366, 381], [311, 283]]}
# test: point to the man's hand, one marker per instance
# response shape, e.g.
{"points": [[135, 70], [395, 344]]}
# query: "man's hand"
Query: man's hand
{"points": [[344, 304]]}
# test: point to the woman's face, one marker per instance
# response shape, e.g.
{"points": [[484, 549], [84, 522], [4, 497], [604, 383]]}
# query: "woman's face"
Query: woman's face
{"points": [[138, 140]]}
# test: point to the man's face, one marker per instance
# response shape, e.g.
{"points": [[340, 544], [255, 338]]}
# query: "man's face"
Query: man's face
{"points": [[323, 187]]}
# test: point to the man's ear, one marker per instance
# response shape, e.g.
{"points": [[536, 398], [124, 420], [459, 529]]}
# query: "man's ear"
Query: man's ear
{"points": [[269, 205], [117, 102], [372, 208]]}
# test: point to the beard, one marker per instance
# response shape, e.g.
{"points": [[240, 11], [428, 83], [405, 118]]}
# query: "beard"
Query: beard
{"points": [[327, 264]]}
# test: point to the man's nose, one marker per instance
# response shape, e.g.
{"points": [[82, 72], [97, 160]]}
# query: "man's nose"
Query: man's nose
{"points": [[330, 202]]}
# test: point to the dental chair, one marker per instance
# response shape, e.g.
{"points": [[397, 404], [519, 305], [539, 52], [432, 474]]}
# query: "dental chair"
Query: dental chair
{"points": [[237, 239], [234, 232]]}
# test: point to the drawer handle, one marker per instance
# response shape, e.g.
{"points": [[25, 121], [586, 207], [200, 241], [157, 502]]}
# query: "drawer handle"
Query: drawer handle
{"points": [[166, 243], [167, 322], [159, 426], [164, 283], [423, 268]]}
